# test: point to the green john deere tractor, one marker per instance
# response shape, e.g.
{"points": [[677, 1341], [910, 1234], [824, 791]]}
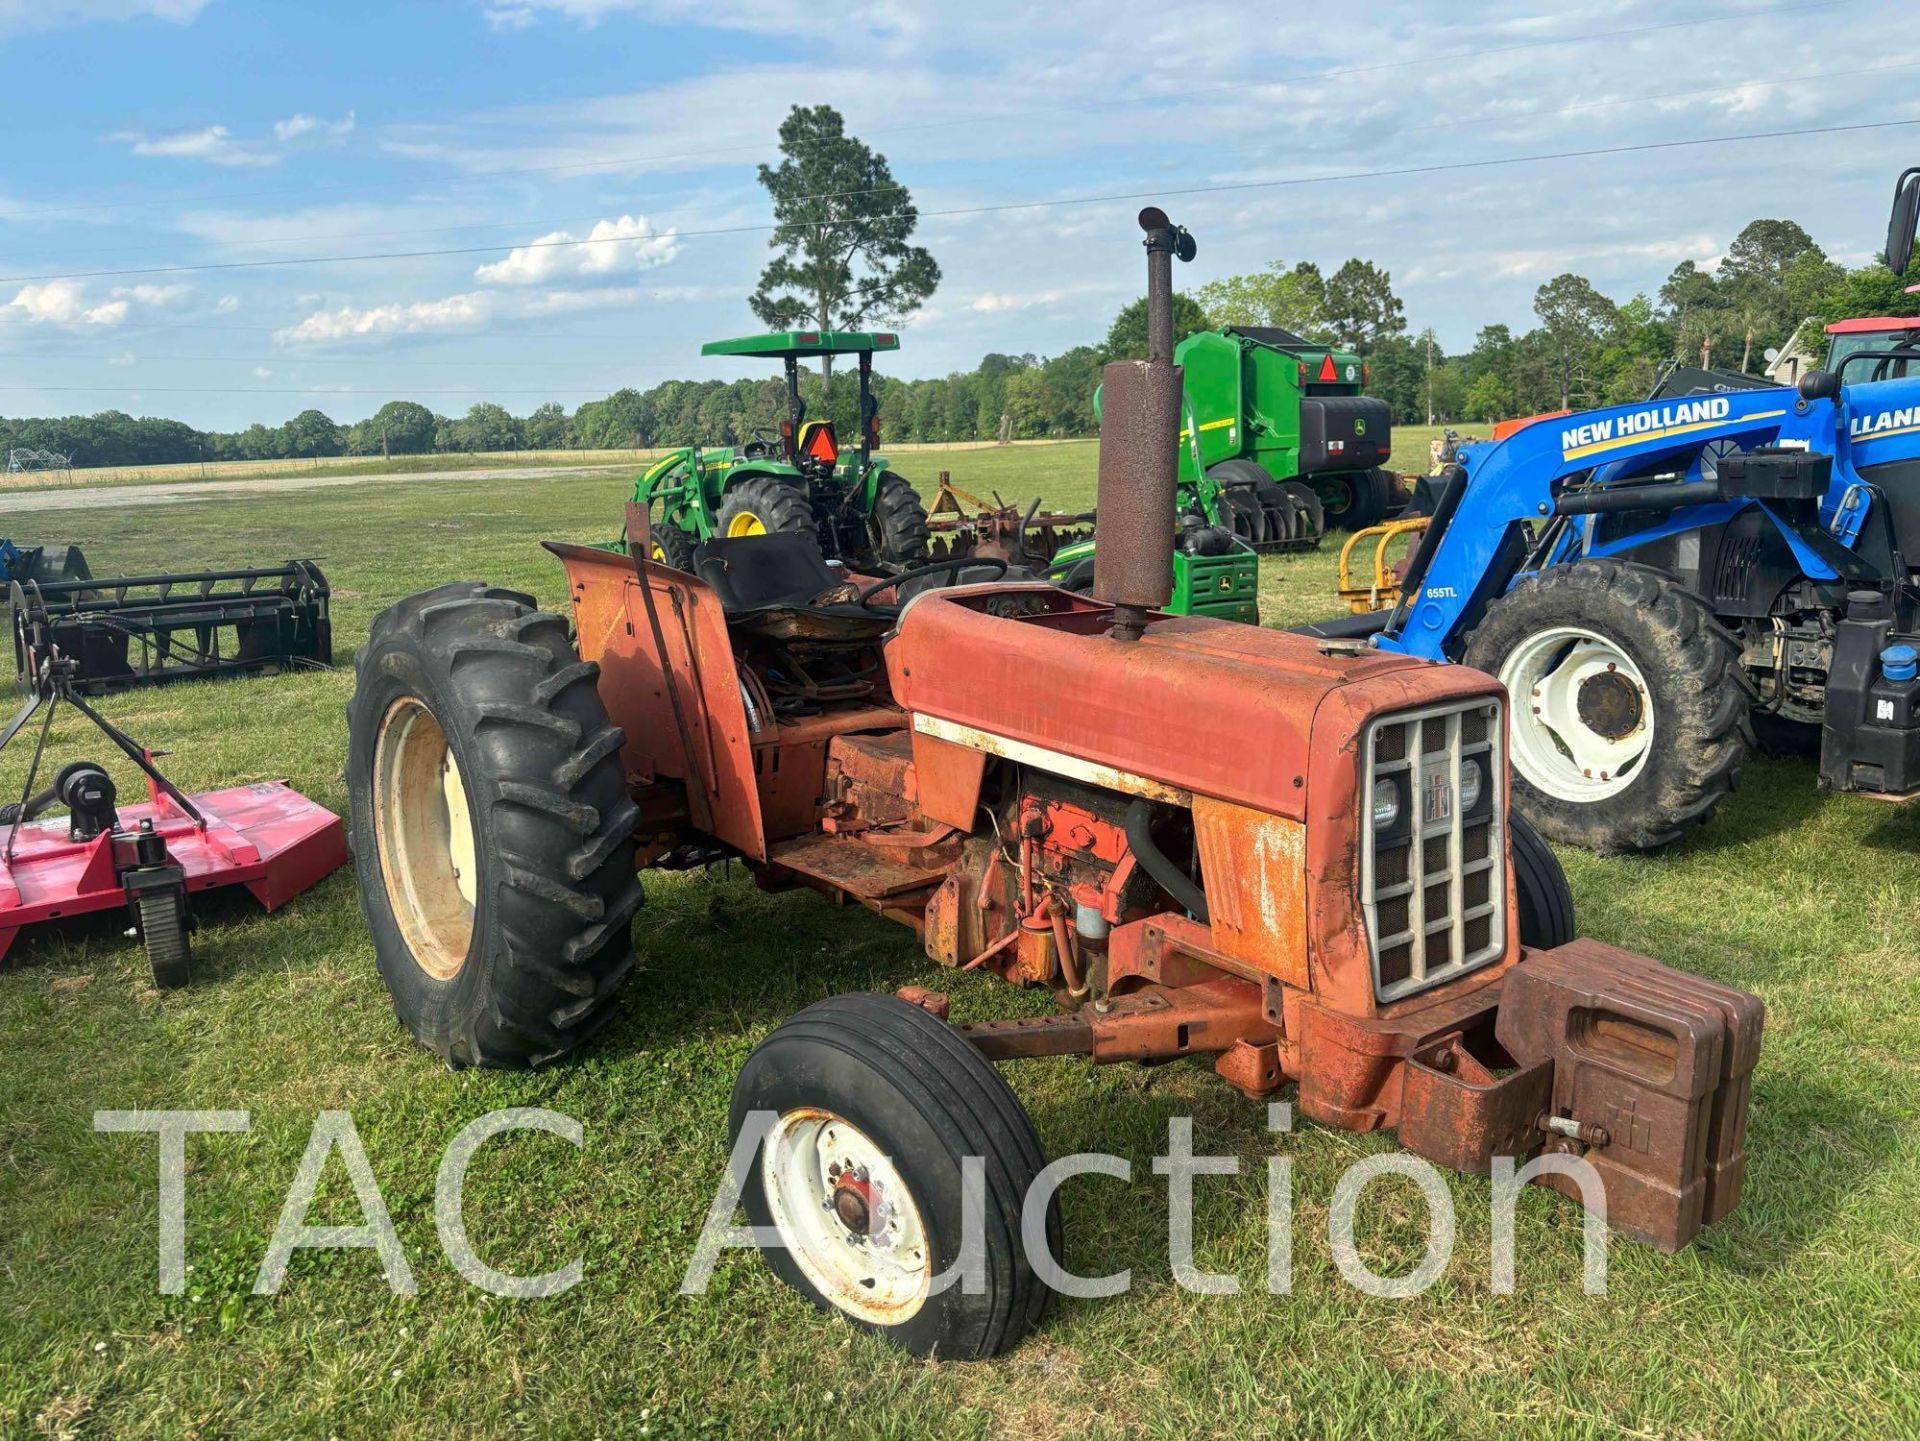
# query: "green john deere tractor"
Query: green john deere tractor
{"points": [[798, 479]]}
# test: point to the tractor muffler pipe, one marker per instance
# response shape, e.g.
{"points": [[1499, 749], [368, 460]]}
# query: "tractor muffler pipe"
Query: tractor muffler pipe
{"points": [[1139, 449]]}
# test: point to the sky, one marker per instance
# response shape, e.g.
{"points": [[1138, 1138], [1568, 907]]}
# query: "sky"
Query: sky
{"points": [[210, 153]]}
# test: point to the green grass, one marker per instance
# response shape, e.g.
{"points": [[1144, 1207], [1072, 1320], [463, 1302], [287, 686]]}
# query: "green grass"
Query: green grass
{"points": [[1801, 1314]]}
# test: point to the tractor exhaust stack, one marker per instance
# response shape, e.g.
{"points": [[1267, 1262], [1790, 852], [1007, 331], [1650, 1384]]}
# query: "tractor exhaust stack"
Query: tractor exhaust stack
{"points": [[1139, 447]]}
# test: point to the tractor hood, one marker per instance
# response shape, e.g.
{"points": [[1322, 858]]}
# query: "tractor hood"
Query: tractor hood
{"points": [[1196, 706]]}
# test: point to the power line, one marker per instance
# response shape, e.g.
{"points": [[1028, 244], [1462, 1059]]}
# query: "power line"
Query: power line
{"points": [[1181, 97], [663, 230], [1158, 192]]}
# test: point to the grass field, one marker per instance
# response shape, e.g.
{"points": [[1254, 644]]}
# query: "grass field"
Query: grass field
{"points": [[1800, 1315]]}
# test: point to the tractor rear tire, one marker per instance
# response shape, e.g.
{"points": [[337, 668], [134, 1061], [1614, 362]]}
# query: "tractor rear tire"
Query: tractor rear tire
{"points": [[861, 1076], [761, 505], [1540, 888], [476, 739], [1310, 517], [670, 545], [898, 524], [1630, 707]]}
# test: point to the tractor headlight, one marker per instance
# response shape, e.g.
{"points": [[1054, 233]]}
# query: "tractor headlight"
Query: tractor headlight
{"points": [[1386, 805], [1472, 782]]}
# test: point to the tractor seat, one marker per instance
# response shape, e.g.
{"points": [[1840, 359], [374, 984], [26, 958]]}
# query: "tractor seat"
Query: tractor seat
{"points": [[780, 586]]}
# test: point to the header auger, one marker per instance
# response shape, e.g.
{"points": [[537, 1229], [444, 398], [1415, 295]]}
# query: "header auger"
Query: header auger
{"points": [[1292, 859]]}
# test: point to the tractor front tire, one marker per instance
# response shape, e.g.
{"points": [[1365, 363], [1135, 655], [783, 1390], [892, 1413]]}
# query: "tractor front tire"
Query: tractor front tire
{"points": [[670, 545], [761, 505], [872, 1113], [1630, 708], [898, 524], [1544, 898], [493, 831]]}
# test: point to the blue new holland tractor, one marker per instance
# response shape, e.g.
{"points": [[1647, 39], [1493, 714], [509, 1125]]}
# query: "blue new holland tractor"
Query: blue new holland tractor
{"points": [[1655, 582]]}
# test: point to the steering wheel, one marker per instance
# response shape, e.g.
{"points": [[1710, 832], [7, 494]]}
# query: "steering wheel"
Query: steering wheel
{"points": [[939, 567], [761, 443]]}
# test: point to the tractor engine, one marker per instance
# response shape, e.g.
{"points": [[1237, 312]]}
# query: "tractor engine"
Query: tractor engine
{"points": [[1039, 899]]}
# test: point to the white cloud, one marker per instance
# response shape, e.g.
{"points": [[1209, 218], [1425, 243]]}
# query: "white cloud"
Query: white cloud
{"points": [[765, 17], [611, 247], [262, 373], [64, 302], [125, 358], [294, 127], [995, 302], [455, 312], [23, 15], [217, 145], [470, 311], [212, 143], [227, 304], [153, 294]]}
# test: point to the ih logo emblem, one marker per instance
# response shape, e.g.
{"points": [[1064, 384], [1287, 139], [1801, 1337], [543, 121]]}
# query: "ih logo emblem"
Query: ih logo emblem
{"points": [[1439, 800]]}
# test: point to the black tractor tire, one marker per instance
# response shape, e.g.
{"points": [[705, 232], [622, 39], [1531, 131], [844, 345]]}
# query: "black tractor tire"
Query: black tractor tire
{"points": [[926, 1099], [1697, 692], [487, 709], [1348, 499], [670, 545], [898, 524], [163, 928], [1544, 898], [765, 500], [1310, 516], [1357, 499]]}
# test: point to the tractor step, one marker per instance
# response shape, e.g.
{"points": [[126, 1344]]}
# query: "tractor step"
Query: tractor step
{"points": [[847, 865]]}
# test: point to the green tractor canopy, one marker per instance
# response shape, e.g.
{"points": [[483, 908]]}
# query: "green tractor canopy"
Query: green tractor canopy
{"points": [[801, 479]]}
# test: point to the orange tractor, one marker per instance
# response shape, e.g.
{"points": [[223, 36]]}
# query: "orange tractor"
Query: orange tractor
{"points": [[1292, 858]]}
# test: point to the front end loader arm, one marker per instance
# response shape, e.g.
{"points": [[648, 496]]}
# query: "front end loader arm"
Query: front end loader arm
{"points": [[1480, 532]]}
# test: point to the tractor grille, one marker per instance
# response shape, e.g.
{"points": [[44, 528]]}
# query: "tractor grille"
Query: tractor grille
{"points": [[1433, 874]]}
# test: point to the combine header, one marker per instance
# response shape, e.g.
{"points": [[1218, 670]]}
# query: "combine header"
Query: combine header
{"points": [[133, 630]]}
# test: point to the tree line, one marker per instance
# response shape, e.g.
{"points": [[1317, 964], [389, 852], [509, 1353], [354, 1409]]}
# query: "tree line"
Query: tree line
{"points": [[1586, 349]]}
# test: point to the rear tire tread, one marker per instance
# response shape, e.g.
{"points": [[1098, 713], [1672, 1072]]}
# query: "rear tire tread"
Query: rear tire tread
{"points": [[553, 823]]}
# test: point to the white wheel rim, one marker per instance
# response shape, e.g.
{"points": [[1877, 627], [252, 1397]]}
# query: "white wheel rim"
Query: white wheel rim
{"points": [[424, 831], [1582, 714], [818, 1170]]}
